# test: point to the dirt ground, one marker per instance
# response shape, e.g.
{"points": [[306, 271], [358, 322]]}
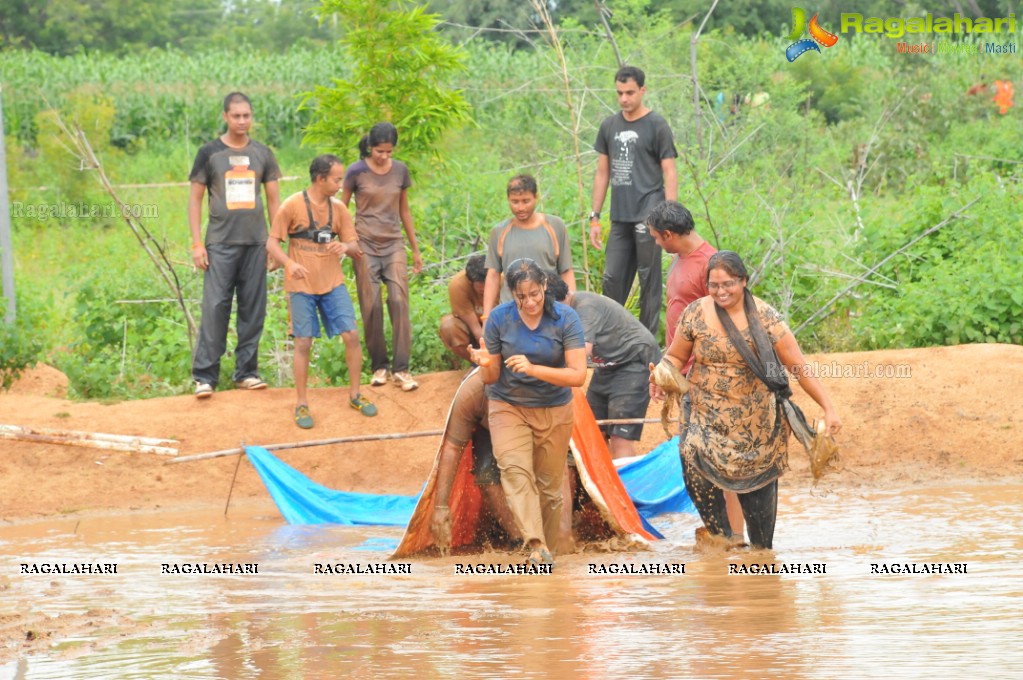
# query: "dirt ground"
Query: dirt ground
{"points": [[952, 415]]}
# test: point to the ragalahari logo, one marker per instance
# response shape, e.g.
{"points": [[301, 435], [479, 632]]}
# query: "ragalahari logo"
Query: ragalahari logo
{"points": [[817, 35]]}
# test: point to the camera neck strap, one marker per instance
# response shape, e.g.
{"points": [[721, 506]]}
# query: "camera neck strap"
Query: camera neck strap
{"points": [[311, 231]]}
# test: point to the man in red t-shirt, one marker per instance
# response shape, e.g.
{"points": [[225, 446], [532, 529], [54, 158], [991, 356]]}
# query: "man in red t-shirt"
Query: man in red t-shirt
{"points": [[671, 225]]}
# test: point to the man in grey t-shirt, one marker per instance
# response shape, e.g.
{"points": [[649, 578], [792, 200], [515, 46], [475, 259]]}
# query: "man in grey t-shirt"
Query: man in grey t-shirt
{"points": [[235, 170], [621, 350], [637, 160]]}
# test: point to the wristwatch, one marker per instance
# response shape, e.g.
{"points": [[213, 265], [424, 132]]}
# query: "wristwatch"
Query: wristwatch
{"points": [[594, 216]]}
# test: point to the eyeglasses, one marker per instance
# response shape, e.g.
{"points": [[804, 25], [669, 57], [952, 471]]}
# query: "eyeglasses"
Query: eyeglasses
{"points": [[724, 284]]}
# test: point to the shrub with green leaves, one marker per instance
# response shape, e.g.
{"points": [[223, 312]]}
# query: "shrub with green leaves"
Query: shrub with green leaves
{"points": [[399, 69], [19, 349]]}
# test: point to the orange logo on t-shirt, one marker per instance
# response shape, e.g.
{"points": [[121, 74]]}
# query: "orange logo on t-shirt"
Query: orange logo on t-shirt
{"points": [[240, 185]]}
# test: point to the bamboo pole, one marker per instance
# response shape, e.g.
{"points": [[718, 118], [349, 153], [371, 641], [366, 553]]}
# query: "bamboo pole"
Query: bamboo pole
{"points": [[153, 248], [6, 242], [366, 438], [695, 38], [315, 442], [576, 118], [95, 440]]}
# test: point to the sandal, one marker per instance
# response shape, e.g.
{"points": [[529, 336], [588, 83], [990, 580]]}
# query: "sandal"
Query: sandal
{"points": [[540, 556], [363, 405], [250, 383], [303, 418]]}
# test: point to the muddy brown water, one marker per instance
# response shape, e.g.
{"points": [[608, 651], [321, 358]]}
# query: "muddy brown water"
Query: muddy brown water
{"points": [[289, 622]]}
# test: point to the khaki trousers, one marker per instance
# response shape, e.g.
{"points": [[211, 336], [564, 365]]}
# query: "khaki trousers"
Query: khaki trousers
{"points": [[531, 446]]}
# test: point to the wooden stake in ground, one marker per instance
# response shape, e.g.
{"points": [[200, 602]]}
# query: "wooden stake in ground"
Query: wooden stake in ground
{"points": [[230, 491]]}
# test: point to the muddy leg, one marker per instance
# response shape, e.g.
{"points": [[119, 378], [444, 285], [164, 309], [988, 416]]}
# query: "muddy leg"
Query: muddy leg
{"points": [[709, 501], [735, 518], [760, 508]]}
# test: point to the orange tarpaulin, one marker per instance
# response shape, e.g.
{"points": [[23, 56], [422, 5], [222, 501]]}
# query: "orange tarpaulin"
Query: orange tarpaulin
{"points": [[596, 472]]}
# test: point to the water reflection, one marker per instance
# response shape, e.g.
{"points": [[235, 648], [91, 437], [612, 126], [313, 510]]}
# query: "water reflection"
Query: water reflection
{"points": [[290, 622]]}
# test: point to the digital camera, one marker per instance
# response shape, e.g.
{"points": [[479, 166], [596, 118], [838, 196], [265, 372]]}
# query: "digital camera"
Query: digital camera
{"points": [[324, 236]]}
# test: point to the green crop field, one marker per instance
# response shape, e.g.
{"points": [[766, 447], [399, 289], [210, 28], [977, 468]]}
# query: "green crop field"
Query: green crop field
{"points": [[827, 190]]}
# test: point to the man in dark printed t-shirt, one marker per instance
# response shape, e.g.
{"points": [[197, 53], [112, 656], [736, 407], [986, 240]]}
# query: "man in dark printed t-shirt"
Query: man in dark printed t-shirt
{"points": [[636, 158], [235, 170]]}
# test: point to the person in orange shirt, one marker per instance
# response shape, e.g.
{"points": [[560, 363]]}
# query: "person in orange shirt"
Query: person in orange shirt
{"points": [[464, 325], [319, 232]]}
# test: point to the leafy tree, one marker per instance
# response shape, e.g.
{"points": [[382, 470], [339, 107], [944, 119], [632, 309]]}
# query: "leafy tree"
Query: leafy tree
{"points": [[272, 26], [494, 14], [130, 26], [67, 26], [398, 72]]}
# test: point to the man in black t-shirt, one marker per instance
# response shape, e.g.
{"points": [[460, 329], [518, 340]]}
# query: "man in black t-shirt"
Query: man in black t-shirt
{"points": [[637, 160], [235, 170]]}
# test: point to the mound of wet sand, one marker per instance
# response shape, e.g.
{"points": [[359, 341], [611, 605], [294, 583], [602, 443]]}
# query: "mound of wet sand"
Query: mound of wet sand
{"points": [[912, 417]]}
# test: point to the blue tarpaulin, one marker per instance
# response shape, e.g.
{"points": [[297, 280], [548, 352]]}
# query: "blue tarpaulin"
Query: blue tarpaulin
{"points": [[654, 483], [303, 501]]}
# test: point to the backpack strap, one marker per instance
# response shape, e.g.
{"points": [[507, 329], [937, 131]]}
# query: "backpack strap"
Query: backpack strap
{"points": [[546, 225], [554, 237]]}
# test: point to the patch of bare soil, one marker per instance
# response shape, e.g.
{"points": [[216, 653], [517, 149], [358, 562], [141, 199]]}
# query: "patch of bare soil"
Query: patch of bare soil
{"points": [[911, 417]]}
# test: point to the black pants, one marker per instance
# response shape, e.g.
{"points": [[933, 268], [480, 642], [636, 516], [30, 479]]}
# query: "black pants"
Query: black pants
{"points": [[630, 249], [760, 507], [234, 271]]}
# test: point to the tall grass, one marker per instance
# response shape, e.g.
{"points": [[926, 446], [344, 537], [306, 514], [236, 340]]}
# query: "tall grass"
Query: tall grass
{"points": [[167, 94], [785, 185]]}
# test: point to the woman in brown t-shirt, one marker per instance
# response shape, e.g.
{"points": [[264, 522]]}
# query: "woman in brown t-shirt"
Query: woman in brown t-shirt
{"points": [[380, 185]]}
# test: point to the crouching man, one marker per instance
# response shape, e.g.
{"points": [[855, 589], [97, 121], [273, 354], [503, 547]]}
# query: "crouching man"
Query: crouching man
{"points": [[464, 325]]}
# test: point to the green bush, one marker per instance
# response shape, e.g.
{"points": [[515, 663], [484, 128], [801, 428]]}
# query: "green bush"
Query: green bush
{"points": [[856, 154], [19, 349], [958, 285]]}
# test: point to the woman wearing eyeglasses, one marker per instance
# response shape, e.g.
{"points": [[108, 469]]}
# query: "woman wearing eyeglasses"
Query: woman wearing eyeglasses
{"points": [[737, 433], [534, 353]]}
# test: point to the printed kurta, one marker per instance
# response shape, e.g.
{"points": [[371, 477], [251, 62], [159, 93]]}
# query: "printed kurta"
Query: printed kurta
{"points": [[732, 438]]}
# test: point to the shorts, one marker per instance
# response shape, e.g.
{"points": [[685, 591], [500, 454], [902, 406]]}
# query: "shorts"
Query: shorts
{"points": [[620, 392], [335, 308], [484, 465]]}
